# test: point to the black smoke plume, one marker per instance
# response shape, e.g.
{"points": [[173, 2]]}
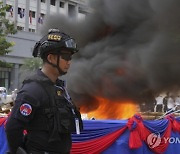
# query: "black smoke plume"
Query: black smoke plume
{"points": [[128, 48]]}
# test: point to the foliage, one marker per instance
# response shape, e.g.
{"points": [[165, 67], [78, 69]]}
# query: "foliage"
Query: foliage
{"points": [[31, 64], [6, 65], [6, 28], [29, 67]]}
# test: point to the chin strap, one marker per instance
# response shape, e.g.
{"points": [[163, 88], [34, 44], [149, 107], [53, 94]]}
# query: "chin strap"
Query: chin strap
{"points": [[61, 72]]}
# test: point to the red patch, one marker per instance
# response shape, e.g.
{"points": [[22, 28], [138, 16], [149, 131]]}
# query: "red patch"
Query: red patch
{"points": [[25, 109]]}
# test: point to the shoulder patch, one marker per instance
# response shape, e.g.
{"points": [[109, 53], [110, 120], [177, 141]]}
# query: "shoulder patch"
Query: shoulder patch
{"points": [[25, 109]]}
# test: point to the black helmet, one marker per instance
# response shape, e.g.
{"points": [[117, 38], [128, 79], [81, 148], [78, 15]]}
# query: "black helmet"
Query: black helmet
{"points": [[53, 42]]}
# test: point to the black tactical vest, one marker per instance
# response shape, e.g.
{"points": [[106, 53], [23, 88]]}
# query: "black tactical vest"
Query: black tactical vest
{"points": [[56, 115]]}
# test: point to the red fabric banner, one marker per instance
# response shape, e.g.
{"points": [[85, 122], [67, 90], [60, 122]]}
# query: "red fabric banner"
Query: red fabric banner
{"points": [[2, 120], [96, 146], [139, 133]]}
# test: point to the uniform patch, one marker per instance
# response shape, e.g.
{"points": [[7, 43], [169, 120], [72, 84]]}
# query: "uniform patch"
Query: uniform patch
{"points": [[25, 109], [59, 92]]}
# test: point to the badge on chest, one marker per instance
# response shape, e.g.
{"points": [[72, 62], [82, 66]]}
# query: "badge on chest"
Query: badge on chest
{"points": [[59, 92]]}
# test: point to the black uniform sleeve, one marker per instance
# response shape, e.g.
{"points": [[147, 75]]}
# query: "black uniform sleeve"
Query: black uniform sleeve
{"points": [[25, 107], [22, 113], [14, 133]]}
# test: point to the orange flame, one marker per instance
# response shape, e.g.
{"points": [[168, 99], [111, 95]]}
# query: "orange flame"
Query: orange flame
{"points": [[107, 109]]}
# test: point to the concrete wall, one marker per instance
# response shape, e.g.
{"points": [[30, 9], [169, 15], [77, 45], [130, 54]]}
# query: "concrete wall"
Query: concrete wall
{"points": [[24, 43]]}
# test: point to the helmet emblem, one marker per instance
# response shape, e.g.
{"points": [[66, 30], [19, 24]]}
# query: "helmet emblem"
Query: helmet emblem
{"points": [[54, 37]]}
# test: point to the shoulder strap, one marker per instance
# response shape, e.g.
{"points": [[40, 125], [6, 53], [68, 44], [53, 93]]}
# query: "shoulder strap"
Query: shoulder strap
{"points": [[36, 78], [44, 83]]}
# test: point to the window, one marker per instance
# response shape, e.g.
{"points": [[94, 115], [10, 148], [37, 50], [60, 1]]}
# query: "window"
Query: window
{"points": [[31, 30], [9, 7], [5, 77], [32, 14], [43, 1], [71, 10], [61, 4], [20, 28], [21, 12], [53, 2], [81, 10], [42, 15]]}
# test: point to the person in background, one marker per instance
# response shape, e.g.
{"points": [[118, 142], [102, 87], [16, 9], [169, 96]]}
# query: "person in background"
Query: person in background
{"points": [[43, 106], [14, 95], [165, 102], [171, 103], [4, 93], [177, 102], [159, 107]]}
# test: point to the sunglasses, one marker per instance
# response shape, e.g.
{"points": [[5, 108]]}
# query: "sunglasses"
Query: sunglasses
{"points": [[66, 56]]}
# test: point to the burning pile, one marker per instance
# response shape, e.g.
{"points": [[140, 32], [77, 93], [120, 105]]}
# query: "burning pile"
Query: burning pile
{"points": [[128, 50], [106, 109]]}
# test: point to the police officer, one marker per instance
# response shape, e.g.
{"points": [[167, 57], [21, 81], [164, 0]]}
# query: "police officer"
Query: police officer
{"points": [[44, 115]]}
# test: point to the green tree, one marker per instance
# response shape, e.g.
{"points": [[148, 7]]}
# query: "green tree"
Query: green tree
{"points": [[31, 64], [29, 67], [6, 28]]}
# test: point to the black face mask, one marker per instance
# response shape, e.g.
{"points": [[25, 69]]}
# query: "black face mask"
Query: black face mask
{"points": [[66, 56]]}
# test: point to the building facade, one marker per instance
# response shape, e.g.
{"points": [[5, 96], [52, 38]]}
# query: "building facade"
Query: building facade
{"points": [[28, 16]]}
